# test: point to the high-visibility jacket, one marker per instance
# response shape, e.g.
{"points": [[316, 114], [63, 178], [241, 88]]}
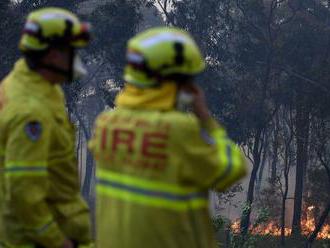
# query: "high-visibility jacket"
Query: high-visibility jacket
{"points": [[154, 170], [40, 195]]}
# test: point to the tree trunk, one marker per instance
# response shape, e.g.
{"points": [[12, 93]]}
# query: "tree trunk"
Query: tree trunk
{"points": [[87, 186], [274, 164], [275, 152], [283, 221], [245, 219], [284, 197], [302, 133], [78, 151], [261, 172]]}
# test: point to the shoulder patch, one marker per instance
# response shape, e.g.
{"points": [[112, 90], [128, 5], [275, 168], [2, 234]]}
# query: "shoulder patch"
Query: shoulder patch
{"points": [[33, 130]]}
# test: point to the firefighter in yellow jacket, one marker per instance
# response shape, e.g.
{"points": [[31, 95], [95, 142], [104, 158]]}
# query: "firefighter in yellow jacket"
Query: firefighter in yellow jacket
{"points": [[40, 200], [155, 164]]}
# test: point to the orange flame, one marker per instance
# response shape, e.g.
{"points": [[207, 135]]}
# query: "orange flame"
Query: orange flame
{"points": [[273, 229]]}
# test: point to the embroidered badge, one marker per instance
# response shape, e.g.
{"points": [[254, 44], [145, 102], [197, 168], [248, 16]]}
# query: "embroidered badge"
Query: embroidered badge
{"points": [[33, 130]]}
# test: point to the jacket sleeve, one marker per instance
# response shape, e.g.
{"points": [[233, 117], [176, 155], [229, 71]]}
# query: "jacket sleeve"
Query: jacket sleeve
{"points": [[27, 181], [211, 159]]}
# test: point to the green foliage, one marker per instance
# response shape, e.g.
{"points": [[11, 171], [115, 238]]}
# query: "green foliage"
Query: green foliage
{"points": [[269, 206], [246, 208], [249, 241], [219, 222], [262, 217], [228, 195]]}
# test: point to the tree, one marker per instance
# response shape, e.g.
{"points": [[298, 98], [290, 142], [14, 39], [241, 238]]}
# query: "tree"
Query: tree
{"points": [[10, 31], [320, 174], [300, 45], [287, 158]]}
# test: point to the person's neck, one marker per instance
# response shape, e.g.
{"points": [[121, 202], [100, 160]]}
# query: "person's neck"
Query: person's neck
{"points": [[53, 78]]}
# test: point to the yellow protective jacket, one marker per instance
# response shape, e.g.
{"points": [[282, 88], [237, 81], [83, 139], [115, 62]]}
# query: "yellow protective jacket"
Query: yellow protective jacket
{"points": [[155, 166], [40, 197]]}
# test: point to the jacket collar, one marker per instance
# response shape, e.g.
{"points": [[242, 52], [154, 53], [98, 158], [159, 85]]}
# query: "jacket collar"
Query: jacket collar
{"points": [[158, 98], [36, 84]]}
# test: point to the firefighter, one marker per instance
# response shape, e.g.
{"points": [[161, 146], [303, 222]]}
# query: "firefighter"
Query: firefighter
{"points": [[40, 203], [155, 162]]}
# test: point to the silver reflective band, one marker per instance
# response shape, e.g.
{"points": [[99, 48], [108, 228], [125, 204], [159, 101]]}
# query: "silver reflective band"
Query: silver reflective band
{"points": [[52, 16], [134, 58], [151, 41], [31, 26]]}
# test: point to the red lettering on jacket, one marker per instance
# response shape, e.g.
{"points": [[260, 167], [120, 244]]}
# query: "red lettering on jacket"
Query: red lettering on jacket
{"points": [[104, 139], [153, 145], [123, 137]]}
